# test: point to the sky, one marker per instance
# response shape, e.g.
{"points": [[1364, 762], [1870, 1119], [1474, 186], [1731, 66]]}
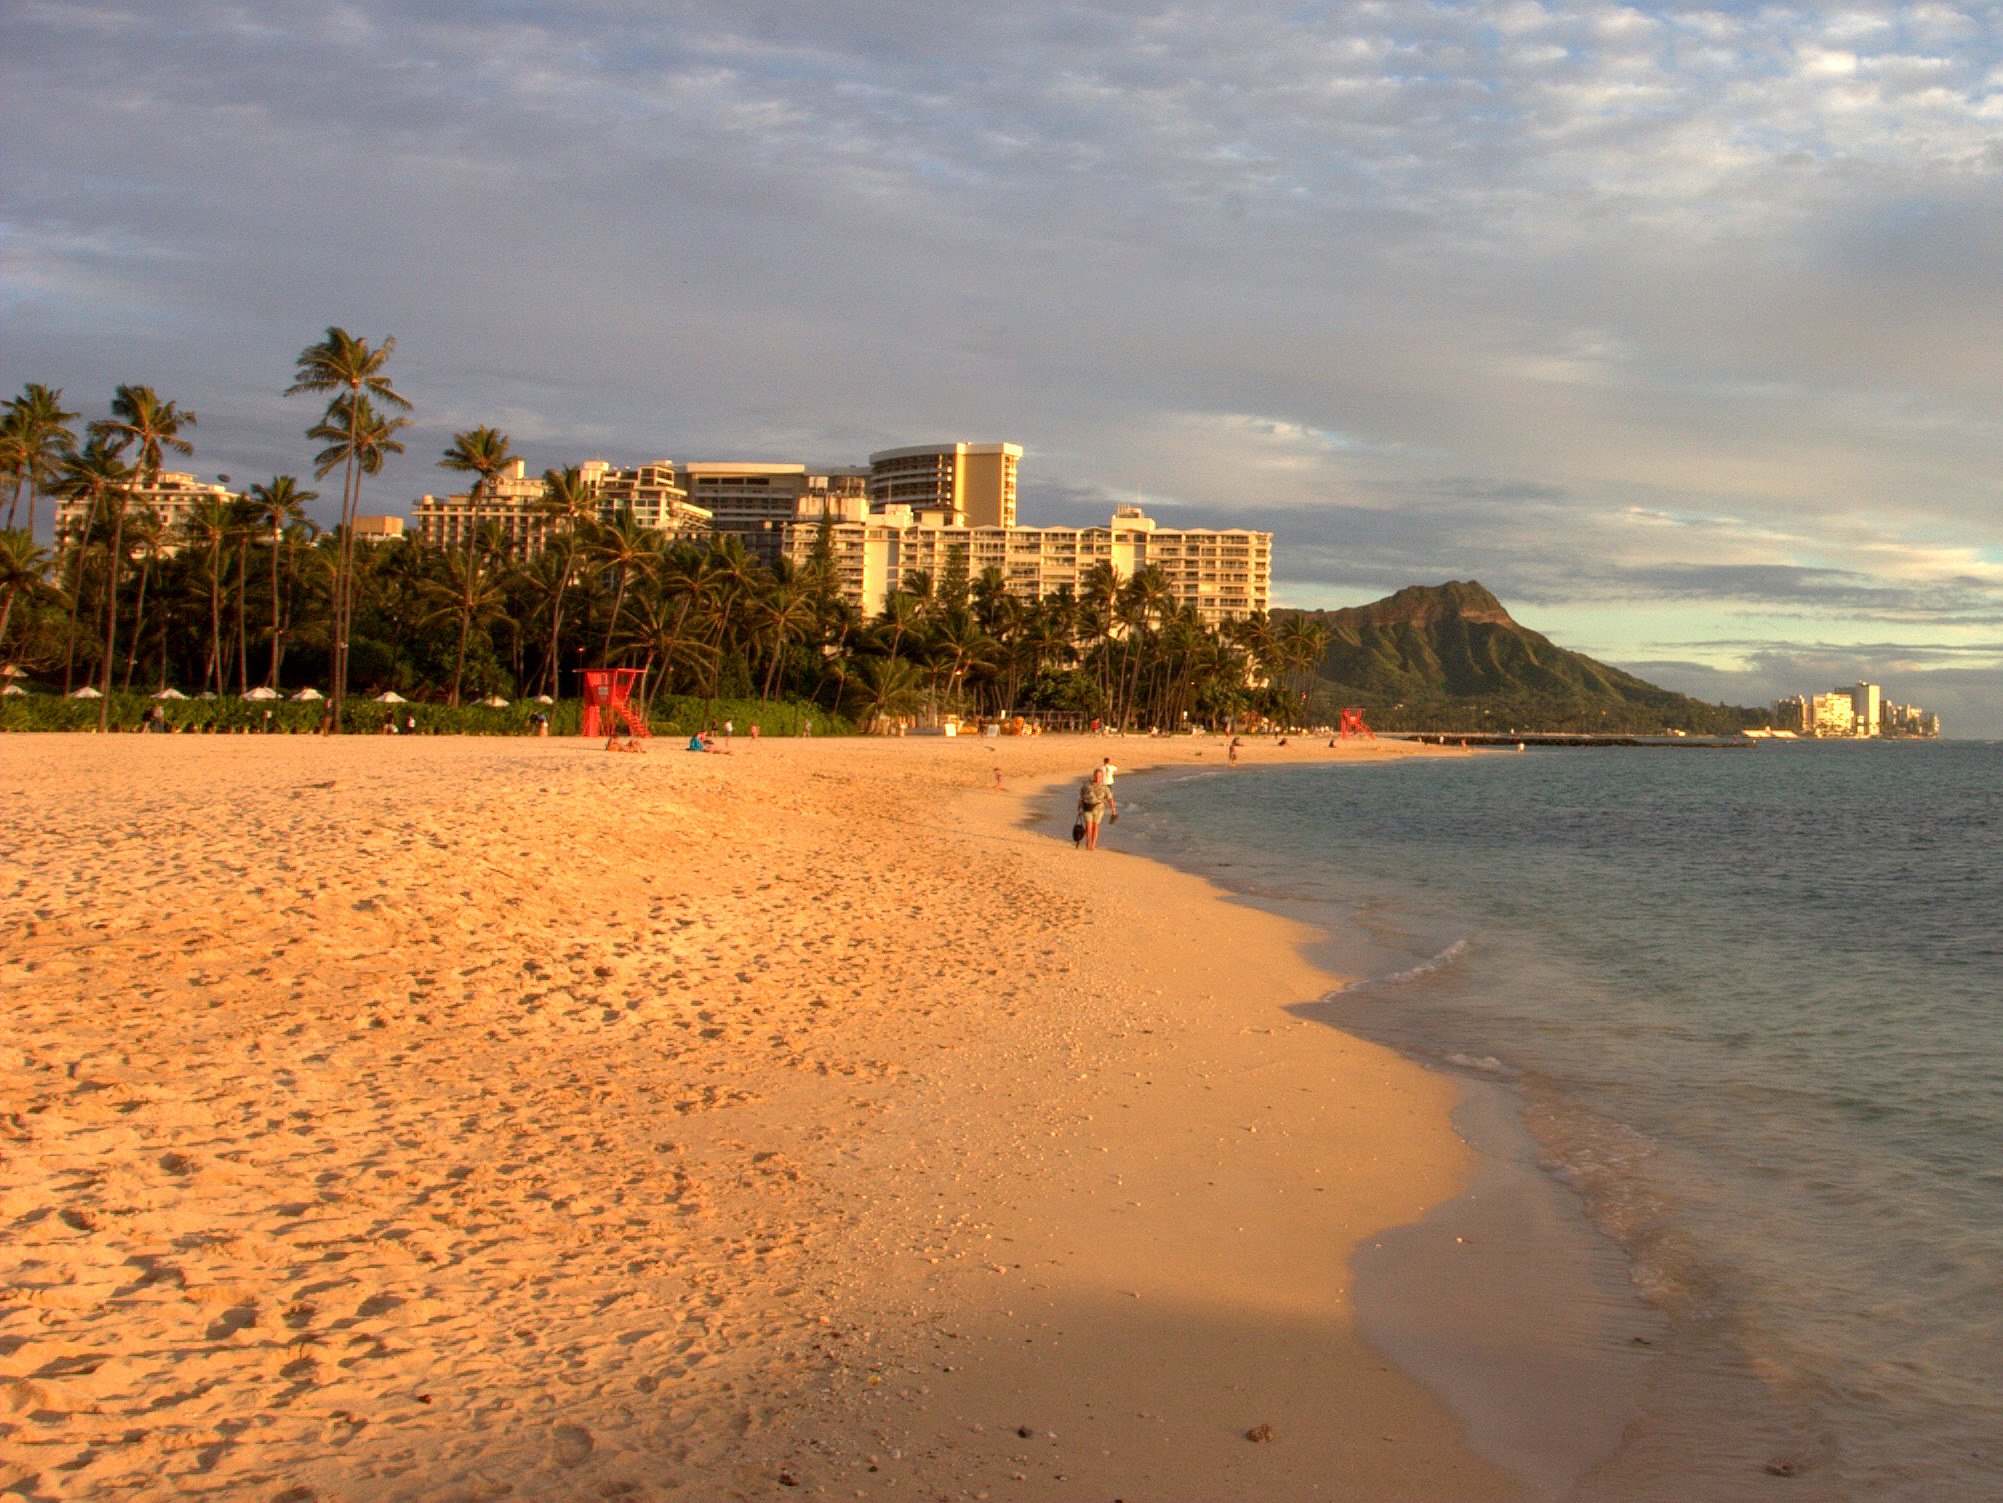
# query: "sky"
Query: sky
{"points": [[1678, 327]]}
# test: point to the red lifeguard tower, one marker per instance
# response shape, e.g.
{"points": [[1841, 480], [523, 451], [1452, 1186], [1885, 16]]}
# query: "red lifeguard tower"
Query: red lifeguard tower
{"points": [[1352, 725], [608, 700]]}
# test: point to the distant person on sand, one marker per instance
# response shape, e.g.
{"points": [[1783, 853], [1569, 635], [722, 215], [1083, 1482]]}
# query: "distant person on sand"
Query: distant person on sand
{"points": [[1233, 751], [729, 727], [1095, 802], [1107, 772], [699, 742]]}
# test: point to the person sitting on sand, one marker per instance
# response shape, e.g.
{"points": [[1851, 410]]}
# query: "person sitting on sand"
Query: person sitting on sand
{"points": [[1095, 802], [699, 742]]}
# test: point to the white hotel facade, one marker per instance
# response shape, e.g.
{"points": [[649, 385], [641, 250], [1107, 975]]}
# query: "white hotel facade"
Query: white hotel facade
{"points": [[947, 510]]}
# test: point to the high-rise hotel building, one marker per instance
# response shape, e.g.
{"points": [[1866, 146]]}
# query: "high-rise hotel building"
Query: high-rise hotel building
{"points": [[513, 505], [1224, 575], [962, 485], [947, 510]]}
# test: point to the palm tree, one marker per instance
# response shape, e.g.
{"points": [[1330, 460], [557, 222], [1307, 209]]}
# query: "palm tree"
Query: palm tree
{"points": [[783, 613], [13, 463], [727, 576], [89, 478], [902, 614], [568, 506], [38, 433], [882, 689], [344, 369], [1302, 643], [141, 421], [654, 627], [991, 597], [23, 568], [471, 591], [359, 439], [277, 504], [1144, 599], [957, 644], [208, 528], [145, 539], [482, 453], [623, 546]]}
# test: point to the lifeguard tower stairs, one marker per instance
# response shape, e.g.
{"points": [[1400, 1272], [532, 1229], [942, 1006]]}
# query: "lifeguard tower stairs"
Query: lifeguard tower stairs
{"points": [[608, 703]]}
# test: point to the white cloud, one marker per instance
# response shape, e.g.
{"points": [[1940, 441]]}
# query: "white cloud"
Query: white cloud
{"points": [[1505, 280]]}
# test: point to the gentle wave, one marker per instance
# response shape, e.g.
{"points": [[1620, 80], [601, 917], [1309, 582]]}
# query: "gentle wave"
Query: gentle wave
{"points": [[1428, 967]]}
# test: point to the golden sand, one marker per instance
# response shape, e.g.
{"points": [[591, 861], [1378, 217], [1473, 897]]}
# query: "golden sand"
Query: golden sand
{"points": [[456, 1119]]}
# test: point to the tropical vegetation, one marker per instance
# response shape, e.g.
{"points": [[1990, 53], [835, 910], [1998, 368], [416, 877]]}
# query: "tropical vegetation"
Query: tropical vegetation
{"points": [[238, 594]]}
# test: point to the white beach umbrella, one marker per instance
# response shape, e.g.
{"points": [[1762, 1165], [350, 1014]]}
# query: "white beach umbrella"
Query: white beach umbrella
{"points": [[494, 702], [391, 697], [13, 670], [262, 692], [13, 689], [206, 694], [307, 694], [170, 694], [544, 699], [86, 692]]}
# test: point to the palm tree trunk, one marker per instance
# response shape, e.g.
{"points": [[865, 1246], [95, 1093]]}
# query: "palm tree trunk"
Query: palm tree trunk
{"points": [[81, 543], [111, 617], [214, 671], [459, 668], [772, 673], [138, 624], [242, 619], [271, 673], [292, 600], [556, 617], [618, 604], [351, 486]]}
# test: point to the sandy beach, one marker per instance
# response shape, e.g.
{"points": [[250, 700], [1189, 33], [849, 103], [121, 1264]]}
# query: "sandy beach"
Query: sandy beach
{"points": [[460, 1119]]}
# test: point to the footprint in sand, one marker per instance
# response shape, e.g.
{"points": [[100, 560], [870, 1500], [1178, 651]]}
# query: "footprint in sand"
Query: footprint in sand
{"points": [[570, 1444]]}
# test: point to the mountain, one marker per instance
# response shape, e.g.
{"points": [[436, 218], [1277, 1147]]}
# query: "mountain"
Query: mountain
{"points": [[1450, 657]]}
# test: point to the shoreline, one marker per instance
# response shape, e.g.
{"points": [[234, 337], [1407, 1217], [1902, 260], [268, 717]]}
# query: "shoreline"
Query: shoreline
{"points": [[1544, 1349], [941, 1132], [1560, 1366]]}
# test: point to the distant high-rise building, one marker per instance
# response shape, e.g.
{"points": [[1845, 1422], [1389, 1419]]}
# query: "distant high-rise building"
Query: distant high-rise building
{"points": [[1865, 706], [743, 497], [171, 496], [966, 485], [1833, 714], [1793, 714], [513, 506], [1222, 575]]}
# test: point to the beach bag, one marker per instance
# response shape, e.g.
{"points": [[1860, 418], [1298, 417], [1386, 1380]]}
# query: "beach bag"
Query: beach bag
{"points": [[1078, 833]]}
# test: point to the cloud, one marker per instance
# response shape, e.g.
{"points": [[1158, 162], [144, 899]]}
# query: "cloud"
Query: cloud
{"points": [[1687, 308]]}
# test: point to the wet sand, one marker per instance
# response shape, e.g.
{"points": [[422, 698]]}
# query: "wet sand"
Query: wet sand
{"points": [[453, 1118]]}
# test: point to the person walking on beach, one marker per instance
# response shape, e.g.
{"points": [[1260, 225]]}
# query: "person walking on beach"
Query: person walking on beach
{"points": [[1107, 771], [1095, 802], [1233, 751]]}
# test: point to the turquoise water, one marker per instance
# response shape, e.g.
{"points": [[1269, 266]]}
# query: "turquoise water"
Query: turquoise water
{"points": [[1752, 1001]]}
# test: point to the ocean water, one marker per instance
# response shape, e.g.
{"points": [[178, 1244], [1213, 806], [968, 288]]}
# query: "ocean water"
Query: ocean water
{"points": [[1750, 1003]]}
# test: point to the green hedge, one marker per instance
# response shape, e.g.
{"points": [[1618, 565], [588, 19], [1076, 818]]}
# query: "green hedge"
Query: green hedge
{"points": [[672, 716]]}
